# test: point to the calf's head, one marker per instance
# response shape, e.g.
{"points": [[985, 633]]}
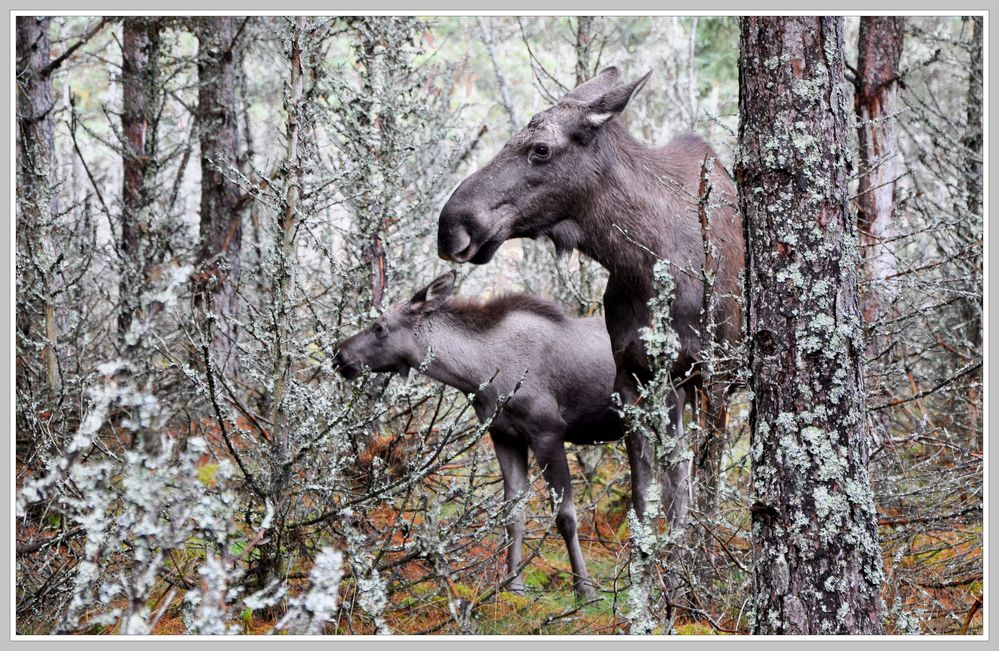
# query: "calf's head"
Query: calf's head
{"points": [[542, 177], [390, 344]]}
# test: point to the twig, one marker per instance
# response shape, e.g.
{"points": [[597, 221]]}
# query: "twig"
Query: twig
{"points": [[222, 423], [971, 615], [562, 615], [31, 548], [929, 518], [58, 61], [922, 394], [470, 147], [86, 168]]}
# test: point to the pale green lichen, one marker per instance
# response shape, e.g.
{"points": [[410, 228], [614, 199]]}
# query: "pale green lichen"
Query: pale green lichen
{"points": [[772, 63], [786, 421]]}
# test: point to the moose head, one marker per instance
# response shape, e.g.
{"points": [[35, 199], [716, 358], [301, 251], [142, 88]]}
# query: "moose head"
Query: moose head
{"points": [[390, 344], [538, 183]]}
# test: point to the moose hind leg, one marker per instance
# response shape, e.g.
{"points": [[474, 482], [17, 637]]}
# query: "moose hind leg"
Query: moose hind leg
{"points": [[551, 458], [513, 465]]}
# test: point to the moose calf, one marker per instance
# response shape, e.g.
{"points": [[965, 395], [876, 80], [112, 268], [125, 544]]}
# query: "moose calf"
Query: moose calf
{"points": [[564, 396]]}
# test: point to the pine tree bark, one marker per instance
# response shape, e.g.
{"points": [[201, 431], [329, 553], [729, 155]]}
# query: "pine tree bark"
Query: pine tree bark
{"points": [[876, 89], [36, 197], [140, 105], [880, 48], [972, 141], [221, 228], [817, 559]]}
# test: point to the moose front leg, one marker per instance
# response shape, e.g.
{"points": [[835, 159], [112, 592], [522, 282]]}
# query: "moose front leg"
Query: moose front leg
{"points": [[676, 479], [513, 464], [550, 455], [639, 450], [674, 485], [625, 317]]}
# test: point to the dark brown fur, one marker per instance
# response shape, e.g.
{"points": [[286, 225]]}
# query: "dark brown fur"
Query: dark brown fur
{"points": [[481, 316]]}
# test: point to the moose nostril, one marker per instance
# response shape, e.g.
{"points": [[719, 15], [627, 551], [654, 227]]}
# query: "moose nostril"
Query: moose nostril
{"points": [[453, 242], [464, 254]]}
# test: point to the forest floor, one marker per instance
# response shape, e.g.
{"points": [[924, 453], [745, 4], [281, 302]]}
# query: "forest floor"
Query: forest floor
{"points": [[918, 569]]}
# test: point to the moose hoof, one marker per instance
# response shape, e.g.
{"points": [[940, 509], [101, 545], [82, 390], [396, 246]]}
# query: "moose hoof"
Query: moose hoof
{"points": [[585, 592], [517, 589]]}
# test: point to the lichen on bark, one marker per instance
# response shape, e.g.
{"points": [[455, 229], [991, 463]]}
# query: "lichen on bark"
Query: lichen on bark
{"points": [[817, 557]]}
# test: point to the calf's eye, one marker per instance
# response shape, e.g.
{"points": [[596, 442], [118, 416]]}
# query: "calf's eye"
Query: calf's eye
{"points": [[381, 331]]}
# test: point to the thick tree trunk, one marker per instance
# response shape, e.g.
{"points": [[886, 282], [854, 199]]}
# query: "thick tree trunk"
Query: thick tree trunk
{"points": [[221, 217], [140, 103], [880, 48], [972, 141], [35, 188], [874, 101], [817, 560]]}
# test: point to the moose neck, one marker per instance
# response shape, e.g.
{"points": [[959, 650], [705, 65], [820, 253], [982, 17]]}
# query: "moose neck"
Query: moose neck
{"points": [[461, 358], [622, 220]]}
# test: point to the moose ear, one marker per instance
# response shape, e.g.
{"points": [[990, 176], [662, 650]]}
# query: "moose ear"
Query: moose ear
{"points": [[433, 295], [592, 88], [612, 102]]}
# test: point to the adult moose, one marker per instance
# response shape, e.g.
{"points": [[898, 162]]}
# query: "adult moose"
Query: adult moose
{"points": [[565, 394], [576, 176]]}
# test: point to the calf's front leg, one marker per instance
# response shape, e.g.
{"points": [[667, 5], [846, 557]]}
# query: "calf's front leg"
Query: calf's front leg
{"points": [[513, 465]]}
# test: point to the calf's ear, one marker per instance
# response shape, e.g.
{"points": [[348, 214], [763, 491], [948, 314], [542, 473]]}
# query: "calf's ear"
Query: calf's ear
{"points": [[433, 295]]}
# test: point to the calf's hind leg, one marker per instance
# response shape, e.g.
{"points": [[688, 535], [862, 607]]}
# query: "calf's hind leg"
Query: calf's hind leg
{"points": [[513, 464], [551, 457]]}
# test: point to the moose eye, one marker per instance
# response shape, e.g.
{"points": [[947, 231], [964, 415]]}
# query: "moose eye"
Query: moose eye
{"points": [[540, 152], [381, 331]]}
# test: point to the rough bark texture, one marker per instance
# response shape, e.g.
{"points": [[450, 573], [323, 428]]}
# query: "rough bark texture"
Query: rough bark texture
{"points": [[711, 401], [973, 137], [140, 105], [880, 48], [36, 198], [972, 141], [221, 217], [817, 560]]}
